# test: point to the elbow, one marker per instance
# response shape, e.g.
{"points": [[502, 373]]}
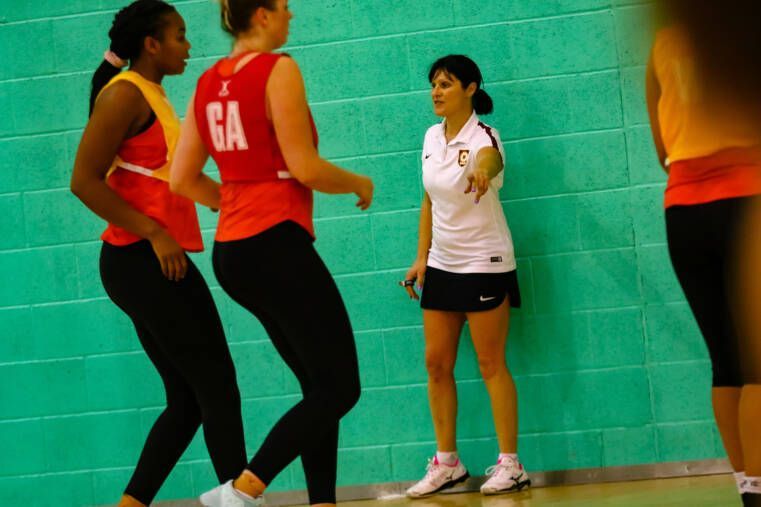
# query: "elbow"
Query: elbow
{"points": [[175, 186], [306, 178], [304, 171], [76, 187], [178, 186]]}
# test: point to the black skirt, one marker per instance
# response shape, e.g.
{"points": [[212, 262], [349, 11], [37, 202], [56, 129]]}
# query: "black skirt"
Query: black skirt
{"points": [[468, 292]]}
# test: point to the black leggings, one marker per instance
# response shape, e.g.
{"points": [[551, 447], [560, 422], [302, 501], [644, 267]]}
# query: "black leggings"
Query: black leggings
{"points": [[279, 277], [702, 243], [179, 327]]}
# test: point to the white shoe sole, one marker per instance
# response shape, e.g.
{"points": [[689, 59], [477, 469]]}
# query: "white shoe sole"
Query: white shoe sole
{"points": [[513, 489], [446, 485]]}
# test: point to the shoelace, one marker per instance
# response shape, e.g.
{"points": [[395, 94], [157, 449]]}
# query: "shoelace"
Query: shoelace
{"points": [[431, 468], [506, 464]]}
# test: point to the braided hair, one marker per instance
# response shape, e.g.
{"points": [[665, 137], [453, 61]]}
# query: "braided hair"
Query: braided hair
{"points": [[132, 24]]}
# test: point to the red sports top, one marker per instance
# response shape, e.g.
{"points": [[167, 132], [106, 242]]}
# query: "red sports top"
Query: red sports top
{"points": [[151, 196], [258, 191]]}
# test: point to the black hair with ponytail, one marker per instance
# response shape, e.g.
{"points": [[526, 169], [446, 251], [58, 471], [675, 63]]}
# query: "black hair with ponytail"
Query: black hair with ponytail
{"points": [[466, 71], [132, 24]]}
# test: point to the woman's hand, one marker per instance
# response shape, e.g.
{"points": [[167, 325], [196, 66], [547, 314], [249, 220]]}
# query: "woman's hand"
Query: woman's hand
{"points": [[415, 273], [478, 182], [364, 191], [171, 255]]}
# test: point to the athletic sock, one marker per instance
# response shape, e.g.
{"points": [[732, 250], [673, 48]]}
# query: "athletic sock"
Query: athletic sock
{"points": [[243, 495], [740, 481], [447, 458], [505, 455]]}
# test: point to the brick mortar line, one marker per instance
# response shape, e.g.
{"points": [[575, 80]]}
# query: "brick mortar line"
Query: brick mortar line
{"points": [[43, 418], [301, 47], [346, 99], [344, 158], [390, 446], [264, 341], [636, 186], [518, 21], [637, 254], [388, 270], [75, 15], [547, 77], [294, 395]]}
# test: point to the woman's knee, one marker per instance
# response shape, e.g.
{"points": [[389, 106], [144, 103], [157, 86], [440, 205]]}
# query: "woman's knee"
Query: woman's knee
{"points": [[347, 396], [182, 402], [336, 399], [491, 366], [219, 397], [439, 366]]}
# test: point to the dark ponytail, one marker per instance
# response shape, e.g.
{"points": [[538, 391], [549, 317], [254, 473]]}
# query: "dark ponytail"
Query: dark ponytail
{"points": [[132, 24], [482, 102], [466, 71]]}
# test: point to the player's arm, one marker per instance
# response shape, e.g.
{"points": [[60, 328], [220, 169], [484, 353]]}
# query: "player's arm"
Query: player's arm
{"points": [[117, 115], [186, 176], [286, 97]]}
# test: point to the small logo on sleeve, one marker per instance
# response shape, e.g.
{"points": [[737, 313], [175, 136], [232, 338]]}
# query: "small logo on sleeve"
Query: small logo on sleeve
{"points": [[462, 158], [496, 259]]}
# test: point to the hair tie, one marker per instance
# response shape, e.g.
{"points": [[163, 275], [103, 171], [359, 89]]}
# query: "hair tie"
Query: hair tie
{"points": [[114, 59]]}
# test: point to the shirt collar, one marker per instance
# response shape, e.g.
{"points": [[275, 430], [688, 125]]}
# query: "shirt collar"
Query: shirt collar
{"points": [[465, 133]]}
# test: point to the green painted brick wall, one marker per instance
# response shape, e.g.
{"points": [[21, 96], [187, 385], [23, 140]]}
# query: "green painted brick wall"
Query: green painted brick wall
{"points": [[609, 364]]}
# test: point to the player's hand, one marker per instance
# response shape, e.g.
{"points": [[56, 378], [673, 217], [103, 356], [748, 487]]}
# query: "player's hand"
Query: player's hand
{"points": [[416, 273], [478, 182], [171, 256], [364, 191]]}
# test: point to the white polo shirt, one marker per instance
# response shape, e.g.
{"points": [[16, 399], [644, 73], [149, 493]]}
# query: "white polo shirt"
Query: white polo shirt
{"points": [[466, 237]]}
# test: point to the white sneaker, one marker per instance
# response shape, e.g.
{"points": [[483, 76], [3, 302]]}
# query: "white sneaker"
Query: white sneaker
{"points": [[225, 495], [437, 478], [752, 485], [507, 476]]}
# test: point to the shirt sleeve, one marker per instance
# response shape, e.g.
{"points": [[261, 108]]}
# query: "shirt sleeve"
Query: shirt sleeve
{"points": [[488, 137]]}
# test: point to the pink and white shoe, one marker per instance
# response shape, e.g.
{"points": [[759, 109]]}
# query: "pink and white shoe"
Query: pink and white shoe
{"points": [[438, 477], [507, 476]]}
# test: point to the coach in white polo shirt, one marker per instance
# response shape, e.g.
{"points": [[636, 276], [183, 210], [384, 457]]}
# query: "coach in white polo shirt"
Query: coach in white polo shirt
{"points": [[466, 269], [470, 233]]}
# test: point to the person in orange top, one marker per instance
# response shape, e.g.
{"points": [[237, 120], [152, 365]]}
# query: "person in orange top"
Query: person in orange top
{"points": [[121, 173], [711, 149], [250, 113]]}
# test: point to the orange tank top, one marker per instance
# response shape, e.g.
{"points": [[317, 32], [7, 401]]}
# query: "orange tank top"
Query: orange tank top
{"points": [[694, 122], [137, 175], [713, 146]]}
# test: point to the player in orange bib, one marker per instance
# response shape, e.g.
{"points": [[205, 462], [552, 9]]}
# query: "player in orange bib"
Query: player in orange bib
{"points": [[710, 146], [250, 114], [121, 174]]}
